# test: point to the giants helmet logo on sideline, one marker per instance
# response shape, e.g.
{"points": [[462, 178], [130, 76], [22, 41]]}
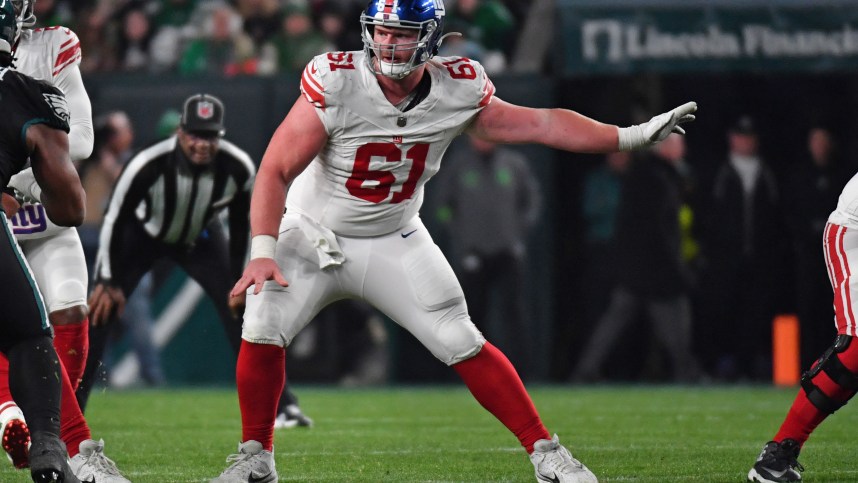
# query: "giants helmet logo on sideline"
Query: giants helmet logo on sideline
{"points": [[205, 110]]}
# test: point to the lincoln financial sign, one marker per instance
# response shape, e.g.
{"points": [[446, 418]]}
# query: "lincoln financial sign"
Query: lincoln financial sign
{"points": [[626, 40]]}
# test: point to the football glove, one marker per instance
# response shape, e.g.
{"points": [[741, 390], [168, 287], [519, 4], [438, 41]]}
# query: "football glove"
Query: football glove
{"points": [[657, 128], [24, 182]]}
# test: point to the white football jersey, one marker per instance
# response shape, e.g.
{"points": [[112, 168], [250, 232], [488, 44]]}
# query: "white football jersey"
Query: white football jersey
{"points": [[846, 213], [44, 52], [368, 179]]}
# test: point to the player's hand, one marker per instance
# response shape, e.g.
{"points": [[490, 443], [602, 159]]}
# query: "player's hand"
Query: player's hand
{"points": [[104, 302], [662, 125], [656, 129], [257, 272], [236, 304], [25, 183], [10, 205]]}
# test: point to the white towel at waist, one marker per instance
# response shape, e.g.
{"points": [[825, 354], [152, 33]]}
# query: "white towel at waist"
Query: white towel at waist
{"points": [[325, 242]]}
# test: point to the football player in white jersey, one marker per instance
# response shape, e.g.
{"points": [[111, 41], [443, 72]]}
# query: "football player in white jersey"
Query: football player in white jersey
{"points": [[55, 253], [354, 152]]}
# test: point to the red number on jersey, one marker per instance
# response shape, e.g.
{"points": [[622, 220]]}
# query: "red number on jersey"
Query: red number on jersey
{"points": [[385, 179], [340, 60], [464, 69]]}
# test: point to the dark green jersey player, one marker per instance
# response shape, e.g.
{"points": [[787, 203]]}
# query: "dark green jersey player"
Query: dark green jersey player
{"points": [[34, 126]]}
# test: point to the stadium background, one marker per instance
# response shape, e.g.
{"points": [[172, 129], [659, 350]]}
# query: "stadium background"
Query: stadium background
{"points": [[786, 90]]}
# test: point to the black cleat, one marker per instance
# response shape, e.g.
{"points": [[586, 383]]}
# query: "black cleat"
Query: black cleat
{"points": [[49, 461], [777, 463]]}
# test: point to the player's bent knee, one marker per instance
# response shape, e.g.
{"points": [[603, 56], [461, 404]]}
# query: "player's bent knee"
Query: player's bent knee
{"points": [[69, 316], [830, 370], [456, 340], [263, 323], [66, 295]]}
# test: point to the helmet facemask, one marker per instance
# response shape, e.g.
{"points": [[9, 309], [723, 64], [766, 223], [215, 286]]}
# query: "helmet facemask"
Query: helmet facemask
{"points": [[422, 49], [24, 14]]}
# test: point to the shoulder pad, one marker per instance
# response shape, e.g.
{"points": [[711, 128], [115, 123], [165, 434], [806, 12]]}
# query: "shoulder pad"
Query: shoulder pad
{"points": [[467, 74], [64, 46], [325, 75]]}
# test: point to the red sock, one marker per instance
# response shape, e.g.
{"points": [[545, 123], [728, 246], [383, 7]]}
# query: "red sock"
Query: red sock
{"points": [[72, 345], [260, 378], [5, 392], [73, 427], [803, 417], [494, 383]]}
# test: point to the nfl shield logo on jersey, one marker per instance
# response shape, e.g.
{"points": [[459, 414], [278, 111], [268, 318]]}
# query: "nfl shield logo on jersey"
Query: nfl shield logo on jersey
{"points": [[205, 110]]}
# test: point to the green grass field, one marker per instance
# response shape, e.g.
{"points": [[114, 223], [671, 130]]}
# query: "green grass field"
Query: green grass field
{"points": [[440, 434]]}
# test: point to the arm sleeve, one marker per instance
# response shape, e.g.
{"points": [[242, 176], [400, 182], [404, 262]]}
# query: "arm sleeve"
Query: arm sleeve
{"points": [[81, 135]]}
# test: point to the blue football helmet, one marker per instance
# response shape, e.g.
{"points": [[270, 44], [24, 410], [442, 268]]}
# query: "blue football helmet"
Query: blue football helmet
{"points": [[426, 16]]}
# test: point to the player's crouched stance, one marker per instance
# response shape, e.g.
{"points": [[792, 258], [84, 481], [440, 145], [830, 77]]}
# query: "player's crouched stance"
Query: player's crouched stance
{"points": [[355, 154], [833, 379]]}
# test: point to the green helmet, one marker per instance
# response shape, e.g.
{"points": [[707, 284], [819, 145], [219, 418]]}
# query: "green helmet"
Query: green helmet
{"points": [[8, 26]]}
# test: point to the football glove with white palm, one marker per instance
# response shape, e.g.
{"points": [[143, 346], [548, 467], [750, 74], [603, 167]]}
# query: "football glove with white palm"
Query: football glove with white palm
{"points": [[657, 128]]}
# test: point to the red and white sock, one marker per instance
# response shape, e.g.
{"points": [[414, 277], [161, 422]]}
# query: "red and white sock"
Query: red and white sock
{"points": [[72, 345], [260, 378], [495, 384]]}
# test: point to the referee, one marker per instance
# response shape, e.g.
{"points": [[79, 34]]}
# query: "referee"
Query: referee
{"points": [[167, 204]]}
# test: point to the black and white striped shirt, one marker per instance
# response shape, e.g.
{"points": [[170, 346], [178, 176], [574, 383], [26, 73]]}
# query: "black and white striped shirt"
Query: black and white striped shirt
{"points": [[174, 200]]}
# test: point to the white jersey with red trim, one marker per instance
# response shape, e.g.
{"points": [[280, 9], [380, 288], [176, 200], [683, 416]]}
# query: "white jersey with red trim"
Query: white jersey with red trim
{"points": [[368, 179], [846, 213], [44, 52]]}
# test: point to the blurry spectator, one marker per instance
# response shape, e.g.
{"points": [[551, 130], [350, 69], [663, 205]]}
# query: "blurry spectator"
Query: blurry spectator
{"points": [[134, 39], [223, 47], [173, 24], [174, 13], [262, 19], [333, 27], [490, 199], [95, 41], [813, 185], [51, 12], [600, 203], [743, 248], [487, 22], [297, 42], [652, 276]]}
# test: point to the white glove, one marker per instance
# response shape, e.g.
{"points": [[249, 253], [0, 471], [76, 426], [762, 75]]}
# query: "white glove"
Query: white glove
{"points": [[657, 128], [24, 183]]}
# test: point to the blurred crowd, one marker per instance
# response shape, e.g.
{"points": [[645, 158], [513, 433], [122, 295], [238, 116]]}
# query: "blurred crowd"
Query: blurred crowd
{"points": [[255, 37], [729, 249]]}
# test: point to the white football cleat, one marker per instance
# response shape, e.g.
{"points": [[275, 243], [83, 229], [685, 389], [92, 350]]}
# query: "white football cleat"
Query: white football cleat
{"points": [[15, 435], [554, 463], [91, 464], [252, 464]]}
